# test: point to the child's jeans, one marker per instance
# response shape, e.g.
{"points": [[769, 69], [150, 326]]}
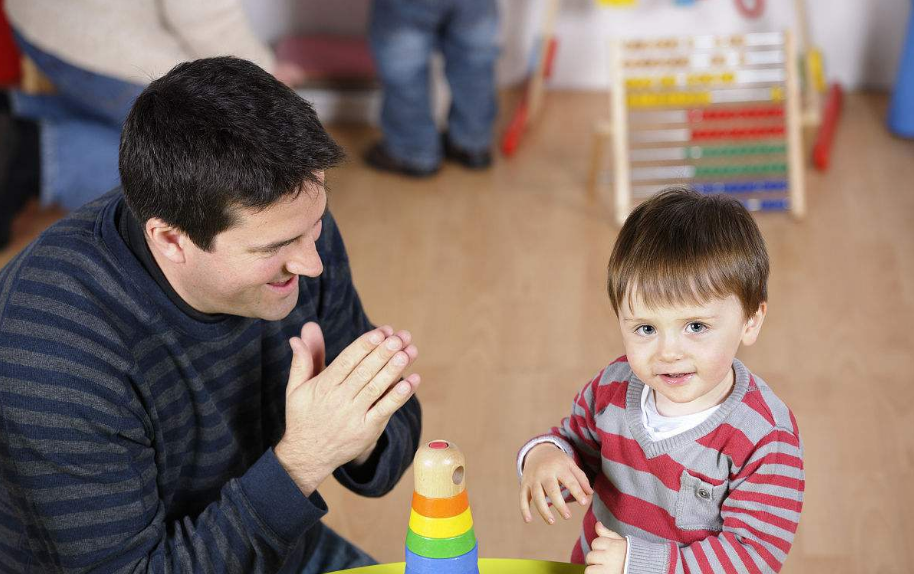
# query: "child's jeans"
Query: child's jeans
{"points": [[403, 35], [80, 128], [323, 550]]}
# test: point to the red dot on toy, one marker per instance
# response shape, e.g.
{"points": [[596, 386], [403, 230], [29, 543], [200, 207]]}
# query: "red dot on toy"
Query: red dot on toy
{"points": [[438, 444]]}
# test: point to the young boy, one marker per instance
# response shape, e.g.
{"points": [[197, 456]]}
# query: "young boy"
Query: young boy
{"points": [[696, 464]]}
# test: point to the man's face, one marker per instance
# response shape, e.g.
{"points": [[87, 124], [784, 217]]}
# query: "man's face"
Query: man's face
{"points": [[252, 269], [685, 352]]}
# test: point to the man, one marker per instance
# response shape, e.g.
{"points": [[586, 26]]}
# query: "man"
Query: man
{"points": [[163, 405]]}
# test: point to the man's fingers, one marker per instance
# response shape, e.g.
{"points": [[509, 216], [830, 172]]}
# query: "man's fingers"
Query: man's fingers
{"points": [[302, 368], [368, 372], [405, 336], [313, 337], [353, 355], [395, 398], [382, 369]]}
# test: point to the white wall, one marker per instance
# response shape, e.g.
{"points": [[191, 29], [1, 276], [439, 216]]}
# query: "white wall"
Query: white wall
{"points": [[861, 40]]}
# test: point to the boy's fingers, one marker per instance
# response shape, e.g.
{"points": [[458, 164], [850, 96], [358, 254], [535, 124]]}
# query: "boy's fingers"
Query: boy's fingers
{"points": [[606, 532], [596, 557], [554, 490], [525, 504], [582, 479], [539, 501], [574, 487]]}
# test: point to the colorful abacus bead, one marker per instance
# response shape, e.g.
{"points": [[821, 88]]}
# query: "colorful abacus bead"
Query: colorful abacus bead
{"points": [[440, 538]]}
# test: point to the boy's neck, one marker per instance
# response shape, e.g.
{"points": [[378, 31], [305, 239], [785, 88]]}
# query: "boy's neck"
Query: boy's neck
{"points": [[714, 397]]}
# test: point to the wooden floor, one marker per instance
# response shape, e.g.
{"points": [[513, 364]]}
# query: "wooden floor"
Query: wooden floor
{"points": [[500, 276]]}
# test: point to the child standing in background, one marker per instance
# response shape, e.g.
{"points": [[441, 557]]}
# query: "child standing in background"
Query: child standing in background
{"points": [[403, 35], [696, 465]]}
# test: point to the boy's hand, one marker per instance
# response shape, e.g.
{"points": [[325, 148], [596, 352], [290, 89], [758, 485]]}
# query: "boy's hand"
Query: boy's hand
{"points": [[335, 415], [546, 470], [607, 552]]}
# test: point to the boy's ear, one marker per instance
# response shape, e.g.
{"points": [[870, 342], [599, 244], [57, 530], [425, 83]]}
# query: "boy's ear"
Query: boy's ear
{"points": [[167, 240], [754, 324]]}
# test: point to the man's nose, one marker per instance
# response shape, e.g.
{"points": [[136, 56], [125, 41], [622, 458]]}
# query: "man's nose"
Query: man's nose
{"points": [[305, 261]]}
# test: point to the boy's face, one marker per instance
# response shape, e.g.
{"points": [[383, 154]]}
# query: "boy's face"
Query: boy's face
{"points": [[685, 352]]}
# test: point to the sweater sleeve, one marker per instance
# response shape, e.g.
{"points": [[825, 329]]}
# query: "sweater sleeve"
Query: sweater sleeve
{"points": [[579, 429], [216, 28], [760, 517], [80, 470]]}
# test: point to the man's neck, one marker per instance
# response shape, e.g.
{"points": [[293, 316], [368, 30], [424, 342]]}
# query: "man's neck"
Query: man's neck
{"points": [[134, 236]]}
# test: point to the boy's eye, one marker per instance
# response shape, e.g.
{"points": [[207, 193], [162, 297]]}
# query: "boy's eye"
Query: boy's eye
{"points": [[697, 327], [645, 330]]}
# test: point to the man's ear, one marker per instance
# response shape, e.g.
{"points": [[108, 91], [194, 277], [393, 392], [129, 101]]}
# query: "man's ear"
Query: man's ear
{"points": [[754, 324], [167, 240]]}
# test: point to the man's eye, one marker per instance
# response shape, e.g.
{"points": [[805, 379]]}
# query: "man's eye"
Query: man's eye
{"points": [[697, 327], [645, 330]]}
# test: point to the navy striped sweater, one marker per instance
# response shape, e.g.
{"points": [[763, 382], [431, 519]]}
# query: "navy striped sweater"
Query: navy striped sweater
{"points": [[134, 438]]}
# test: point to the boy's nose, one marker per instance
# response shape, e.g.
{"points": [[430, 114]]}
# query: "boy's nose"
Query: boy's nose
{"points": [[670, 349]]}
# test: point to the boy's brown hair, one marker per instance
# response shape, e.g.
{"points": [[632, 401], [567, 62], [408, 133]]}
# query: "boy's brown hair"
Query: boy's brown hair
{"points": [[681, 247]]}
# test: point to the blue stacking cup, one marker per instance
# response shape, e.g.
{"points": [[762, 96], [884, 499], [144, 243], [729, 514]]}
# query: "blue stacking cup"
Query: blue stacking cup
{"points": [[464, 564]]}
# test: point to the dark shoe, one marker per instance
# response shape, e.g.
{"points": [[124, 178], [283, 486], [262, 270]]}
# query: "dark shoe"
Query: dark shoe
{"points": [[378, 158], [470, 159]]}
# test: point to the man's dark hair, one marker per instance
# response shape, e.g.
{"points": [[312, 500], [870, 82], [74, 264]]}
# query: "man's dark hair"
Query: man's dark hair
{"points": [[215, 135]]}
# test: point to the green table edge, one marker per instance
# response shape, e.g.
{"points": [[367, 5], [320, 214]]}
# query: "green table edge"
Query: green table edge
{"points": [[486, 566]]}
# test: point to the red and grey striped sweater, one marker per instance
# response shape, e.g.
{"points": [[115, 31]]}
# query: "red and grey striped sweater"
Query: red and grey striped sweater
{"points": [[724, 496]]}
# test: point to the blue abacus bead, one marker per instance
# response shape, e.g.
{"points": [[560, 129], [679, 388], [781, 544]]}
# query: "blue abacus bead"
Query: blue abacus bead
{"points": [[464, 564]]}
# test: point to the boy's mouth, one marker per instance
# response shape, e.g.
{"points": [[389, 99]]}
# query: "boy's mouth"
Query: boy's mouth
{"points": [[676, 379]]}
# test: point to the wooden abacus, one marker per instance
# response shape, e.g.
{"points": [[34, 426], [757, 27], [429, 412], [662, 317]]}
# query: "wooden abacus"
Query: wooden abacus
{"points": [[440, 538], [718, 113]]}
